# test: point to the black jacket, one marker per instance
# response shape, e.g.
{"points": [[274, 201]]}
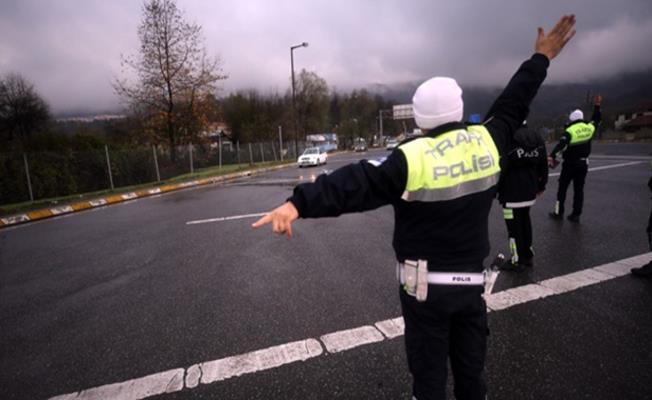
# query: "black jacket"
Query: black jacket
{"points": [[524, 170], [452, 235], [577, 152]]}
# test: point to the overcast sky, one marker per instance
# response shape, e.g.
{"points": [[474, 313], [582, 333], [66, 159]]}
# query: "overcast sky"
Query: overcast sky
{"points": [[70, 49]]}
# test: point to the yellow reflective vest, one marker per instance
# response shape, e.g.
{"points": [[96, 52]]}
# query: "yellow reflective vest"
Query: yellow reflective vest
{"points": [[451, 165], [580, 132]]}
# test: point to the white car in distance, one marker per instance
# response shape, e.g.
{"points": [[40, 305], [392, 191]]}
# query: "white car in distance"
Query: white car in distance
{"points": [[392, 143], [312, 156]]}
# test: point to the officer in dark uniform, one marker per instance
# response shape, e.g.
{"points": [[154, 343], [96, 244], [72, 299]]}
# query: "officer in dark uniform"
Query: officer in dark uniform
{"points": [[441, 186], [523, 176], [575, 146], [645, 271]]}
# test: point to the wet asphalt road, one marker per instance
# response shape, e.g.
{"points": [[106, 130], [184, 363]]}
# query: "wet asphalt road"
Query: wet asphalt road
{"points": [[118, 293]]}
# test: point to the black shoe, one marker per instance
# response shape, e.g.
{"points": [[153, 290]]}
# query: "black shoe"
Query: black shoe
{"points": [[644, 271], [509, 266], [573, 218], [556, 216], [526, 262]]}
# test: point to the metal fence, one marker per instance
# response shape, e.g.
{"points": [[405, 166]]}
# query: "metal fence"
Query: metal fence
{"points": [[42, 175]]}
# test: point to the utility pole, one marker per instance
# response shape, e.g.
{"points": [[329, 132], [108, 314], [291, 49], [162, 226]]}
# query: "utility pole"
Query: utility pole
{"points": [[294, 108]]}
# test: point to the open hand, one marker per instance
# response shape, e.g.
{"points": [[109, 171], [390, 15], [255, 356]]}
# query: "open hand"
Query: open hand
{"points": [[281, 219], [550, 44]]}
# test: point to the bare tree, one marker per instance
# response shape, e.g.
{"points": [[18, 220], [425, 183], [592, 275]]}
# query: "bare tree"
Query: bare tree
{"points": [[22, 110], [312, 102], [175, 77]]}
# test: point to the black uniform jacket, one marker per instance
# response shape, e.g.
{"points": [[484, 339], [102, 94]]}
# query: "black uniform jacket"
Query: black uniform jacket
{"points": [[578, 152], [452, 235], [524, 170]]}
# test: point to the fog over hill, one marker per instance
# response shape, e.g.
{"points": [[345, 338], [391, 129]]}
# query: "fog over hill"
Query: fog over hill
{"points": [[624, 93]]}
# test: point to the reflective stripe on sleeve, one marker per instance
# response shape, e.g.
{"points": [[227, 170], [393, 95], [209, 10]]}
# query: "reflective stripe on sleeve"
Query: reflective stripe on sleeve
{"points": [[520, 204]]}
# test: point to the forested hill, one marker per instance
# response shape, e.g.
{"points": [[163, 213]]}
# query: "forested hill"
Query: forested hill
{"points": [[625, 93]]}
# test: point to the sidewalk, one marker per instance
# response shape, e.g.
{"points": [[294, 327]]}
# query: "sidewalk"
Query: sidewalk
{"points": [[119, 198]]}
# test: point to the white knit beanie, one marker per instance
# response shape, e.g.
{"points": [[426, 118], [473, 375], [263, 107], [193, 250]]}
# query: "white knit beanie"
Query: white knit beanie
{"points": [[576, 115], [436, 102]]}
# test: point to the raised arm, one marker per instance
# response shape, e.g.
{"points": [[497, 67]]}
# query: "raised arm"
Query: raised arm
{"points": [[353, 188], [551, 44], [512, 106], [597, 113]]}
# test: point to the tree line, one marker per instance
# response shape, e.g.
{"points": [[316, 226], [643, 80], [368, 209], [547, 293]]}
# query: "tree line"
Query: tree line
{"points": [[173, 99]]}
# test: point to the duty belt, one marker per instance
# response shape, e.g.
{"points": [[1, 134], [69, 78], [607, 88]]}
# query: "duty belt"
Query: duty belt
{"points": [[415, 278], [448, 278]]}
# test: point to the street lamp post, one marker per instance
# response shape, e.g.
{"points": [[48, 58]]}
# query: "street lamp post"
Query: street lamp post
{"points": [[294, 108]]}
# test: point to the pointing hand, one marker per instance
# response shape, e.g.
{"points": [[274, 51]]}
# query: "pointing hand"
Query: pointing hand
{"points": [[281, 219]]}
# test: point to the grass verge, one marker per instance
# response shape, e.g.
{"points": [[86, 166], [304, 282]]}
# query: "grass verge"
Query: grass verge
{"points": [[17, 208]]}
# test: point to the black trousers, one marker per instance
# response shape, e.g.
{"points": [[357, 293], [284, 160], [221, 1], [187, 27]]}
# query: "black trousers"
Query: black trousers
{"points": [[452, 322], [649, 231], [519, 229], [574, 171]]}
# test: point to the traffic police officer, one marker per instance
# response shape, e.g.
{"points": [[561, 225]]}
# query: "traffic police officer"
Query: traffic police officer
{"points": [[575, 146], [523, 176], [645, 271], [441, 186]]}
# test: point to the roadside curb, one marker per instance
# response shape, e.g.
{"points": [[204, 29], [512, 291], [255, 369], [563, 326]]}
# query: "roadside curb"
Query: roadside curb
{"points": [[50, 212]]}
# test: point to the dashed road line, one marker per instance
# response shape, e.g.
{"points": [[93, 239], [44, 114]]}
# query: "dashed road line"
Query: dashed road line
{"points": [[203, 221], [151, 385], [260, 360], [351, 338], [208, 372], [232, 217], [627, 164]]}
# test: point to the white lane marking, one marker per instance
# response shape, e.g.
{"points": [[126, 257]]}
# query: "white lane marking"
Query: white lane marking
{"points": [[204, 221], [517, 295], [391, 328], [350, 338], [619, 157], [140, 388], [627, 164], [218, 370], [260, 360]]}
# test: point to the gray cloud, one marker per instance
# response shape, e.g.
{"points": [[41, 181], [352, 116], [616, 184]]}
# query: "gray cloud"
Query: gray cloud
{"points": [[70, 49]]}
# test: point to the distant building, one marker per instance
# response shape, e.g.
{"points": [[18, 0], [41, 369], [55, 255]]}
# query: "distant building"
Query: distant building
{"points": [[325, 141], [634, 121], [216, 130]]}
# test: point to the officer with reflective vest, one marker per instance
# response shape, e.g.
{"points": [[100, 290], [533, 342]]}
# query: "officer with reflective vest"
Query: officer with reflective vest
{"points": [[523, 177], [441, 186], [575, 146]]}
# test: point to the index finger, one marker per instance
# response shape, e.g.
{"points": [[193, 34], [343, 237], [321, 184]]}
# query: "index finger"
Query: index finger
{"points": [[266, 219]]}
